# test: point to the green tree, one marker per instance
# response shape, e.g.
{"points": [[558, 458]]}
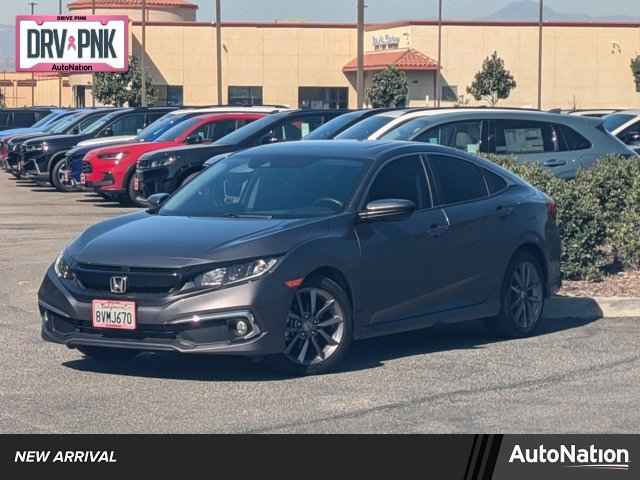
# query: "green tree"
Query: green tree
{"points": [[635, 68], [389, 88], [122, 89], [493, 82]]}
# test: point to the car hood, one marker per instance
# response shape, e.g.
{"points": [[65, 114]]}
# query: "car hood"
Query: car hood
{"points": [[158, 241], [57, 139], [18, 131], [101, 142]]}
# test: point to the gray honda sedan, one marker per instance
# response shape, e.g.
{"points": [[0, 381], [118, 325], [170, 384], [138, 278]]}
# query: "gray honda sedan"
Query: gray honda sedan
{"points": [[293, 251]]}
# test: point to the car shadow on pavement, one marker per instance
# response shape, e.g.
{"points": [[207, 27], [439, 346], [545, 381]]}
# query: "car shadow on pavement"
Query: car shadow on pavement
{"points": [[364, 355]]}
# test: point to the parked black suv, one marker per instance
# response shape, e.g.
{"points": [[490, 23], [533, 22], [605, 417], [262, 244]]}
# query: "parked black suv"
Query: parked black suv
{"points": [[38, 157], [21, 117], [70, 125], [166, 170]]}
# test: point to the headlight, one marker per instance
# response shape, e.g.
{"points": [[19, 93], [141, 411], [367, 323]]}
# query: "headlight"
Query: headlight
{"points": [[62, 268], [162, 162], [229, 275], [37, 147], [112, 156]]}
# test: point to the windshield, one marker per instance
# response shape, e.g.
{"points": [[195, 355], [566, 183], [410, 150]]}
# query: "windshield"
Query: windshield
{"points": [[102, 122], [248, 186], [364, 129], [247, 131], [62, 125], [616, 120], [177, 130], [160, 126], [408, 130], [332, 127], [44, 120]]}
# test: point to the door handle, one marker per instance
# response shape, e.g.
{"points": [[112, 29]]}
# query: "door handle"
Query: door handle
{"points": [[504, 210], [554, 163], [437, 230]]}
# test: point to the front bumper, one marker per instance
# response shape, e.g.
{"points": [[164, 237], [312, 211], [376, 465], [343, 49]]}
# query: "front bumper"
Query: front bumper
{"points": [[199, 323]]}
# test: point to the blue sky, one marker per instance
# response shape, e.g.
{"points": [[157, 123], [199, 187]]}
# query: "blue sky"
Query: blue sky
{"points": [[344, 10]]}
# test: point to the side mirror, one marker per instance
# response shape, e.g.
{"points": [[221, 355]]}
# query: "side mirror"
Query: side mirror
{"points": [[269, 139], [386, 209], [155, 201]]}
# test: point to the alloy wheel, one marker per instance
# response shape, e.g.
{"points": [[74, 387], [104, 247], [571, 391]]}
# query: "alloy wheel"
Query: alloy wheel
{"points": [[526, 295], [315, 327]]}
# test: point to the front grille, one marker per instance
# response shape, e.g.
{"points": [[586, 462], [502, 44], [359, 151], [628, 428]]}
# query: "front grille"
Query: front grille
{"points": [[139, 280]]}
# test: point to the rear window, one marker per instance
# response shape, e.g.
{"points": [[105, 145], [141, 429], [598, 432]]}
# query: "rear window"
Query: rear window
{"points": [[364, 129], [616, 120]]}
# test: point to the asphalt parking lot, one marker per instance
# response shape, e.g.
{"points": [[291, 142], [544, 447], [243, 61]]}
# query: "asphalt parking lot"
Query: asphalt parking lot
{"points": [[572, 377]]}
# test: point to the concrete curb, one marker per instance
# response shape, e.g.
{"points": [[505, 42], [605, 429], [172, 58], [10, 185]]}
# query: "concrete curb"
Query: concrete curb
{"points": [[586, 308]]}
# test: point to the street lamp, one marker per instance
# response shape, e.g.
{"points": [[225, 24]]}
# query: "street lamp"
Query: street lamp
{"points": [[438, 90], [360, 72], [93, 75], [60, 73], [219, 50], [144, 53], [540, 26], [33, 4]]}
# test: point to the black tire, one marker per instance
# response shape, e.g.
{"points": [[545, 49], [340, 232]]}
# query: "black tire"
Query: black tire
{"points": [[285, 364], [515, 321], [55, 175], [132, 196], [105, 354]]}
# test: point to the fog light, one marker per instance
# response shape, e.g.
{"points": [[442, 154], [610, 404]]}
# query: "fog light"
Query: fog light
{"points": [[242, 328]]}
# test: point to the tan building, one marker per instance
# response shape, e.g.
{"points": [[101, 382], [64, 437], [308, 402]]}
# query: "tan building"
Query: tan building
{"points": [[585, 65]]}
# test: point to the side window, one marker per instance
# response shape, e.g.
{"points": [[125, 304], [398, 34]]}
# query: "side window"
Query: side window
{"points": [[465, 136], [630, 134], [495, 183], [402, 178], [296, 128], [128, 124], [456, 180], [524, 136], [570, 139]]}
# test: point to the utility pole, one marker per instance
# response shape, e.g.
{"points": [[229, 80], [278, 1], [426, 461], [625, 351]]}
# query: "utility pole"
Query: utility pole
{"points": [[60, 74], [144, 53], [219, 50], [360, 73], [540, 26], [438, 90], [33, 4], [93, 75]]}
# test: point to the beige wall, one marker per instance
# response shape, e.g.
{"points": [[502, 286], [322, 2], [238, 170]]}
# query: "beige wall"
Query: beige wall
{"points": [[585, 67], [154, 13], [46, 91]]}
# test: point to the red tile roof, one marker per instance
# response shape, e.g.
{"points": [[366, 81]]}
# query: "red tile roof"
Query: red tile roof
{"points": [[87, 4], [407, 59]]}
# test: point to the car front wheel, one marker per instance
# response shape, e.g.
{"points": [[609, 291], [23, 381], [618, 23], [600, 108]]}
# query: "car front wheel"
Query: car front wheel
{"points": [[318, 329], [60, 176]]}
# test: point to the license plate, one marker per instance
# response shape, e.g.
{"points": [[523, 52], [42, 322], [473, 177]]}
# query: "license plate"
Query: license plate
{"points": [[83, 179], [113, 314]]}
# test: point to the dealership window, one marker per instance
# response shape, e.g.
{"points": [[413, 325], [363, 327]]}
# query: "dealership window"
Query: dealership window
{"points": [[450, 93], [168, 95], [245, 96], [323, 98]]}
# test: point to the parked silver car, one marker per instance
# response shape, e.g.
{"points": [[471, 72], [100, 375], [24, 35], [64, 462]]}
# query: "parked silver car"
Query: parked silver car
{"points": [[561, 143], [626, 126]]}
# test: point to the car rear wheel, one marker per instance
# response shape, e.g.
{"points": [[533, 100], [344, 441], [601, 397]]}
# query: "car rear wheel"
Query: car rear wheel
{"points": [[318, 329], [522, 298], [60, 176], [105, 354]]}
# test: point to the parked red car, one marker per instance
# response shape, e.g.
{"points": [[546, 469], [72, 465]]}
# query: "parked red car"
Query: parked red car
{"points": [[110, 171]]}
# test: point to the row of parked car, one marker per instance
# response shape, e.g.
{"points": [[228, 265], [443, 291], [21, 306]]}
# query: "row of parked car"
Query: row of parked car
{"points": [[292, 233], [128, 154]]}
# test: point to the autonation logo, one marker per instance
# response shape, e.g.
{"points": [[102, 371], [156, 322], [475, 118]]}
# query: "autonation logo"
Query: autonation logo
{"points": [[573, 457]]}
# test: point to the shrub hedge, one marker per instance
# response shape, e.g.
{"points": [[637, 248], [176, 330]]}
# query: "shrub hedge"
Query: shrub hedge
{"points": [[598, 214]]}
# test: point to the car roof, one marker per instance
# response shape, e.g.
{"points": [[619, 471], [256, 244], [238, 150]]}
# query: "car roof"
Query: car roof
{"points": [[633, 111]]}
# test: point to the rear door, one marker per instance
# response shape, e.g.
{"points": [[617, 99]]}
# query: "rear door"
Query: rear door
{"points": [[461, 191], [533, 141]]}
